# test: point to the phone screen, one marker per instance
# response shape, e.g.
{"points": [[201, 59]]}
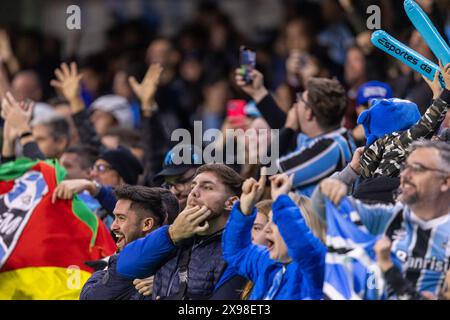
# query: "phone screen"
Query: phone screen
{"points": [[248, 62], [248, 57], [236, 108], [236, 112]]}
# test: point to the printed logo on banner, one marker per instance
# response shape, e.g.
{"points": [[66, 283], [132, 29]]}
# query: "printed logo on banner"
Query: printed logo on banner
{"points": [[16, 208]]}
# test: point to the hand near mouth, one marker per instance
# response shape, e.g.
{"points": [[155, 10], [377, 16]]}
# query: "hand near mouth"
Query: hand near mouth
{"points": [[189, 222]]}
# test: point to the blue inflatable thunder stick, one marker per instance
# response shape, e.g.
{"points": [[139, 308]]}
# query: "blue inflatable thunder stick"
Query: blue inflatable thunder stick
{"points": [[405, 54], [428, 31]]}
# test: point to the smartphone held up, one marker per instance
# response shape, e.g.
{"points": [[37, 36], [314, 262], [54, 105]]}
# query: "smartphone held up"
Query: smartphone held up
{"points": [[247, 63]]}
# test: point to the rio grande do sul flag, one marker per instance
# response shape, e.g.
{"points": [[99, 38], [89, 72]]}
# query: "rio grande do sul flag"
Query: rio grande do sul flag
{"points": [[43, 246]]}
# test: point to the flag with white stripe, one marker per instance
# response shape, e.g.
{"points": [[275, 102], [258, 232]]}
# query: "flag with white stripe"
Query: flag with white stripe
{"points": [[351, 271]]}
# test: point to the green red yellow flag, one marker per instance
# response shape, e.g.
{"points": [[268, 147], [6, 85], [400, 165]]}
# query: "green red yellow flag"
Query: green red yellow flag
{"points": [[43, 246]]}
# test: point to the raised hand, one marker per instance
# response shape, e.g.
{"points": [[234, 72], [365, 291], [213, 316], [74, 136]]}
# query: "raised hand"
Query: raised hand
{"points": [[334, 189], [189, 222], [6, 53], [146, 90], [434, 85], [256, 89], [16, 114], [69, 83], [445, 70], [280, 184], [4, 81], [252, 192], [5, 46], [347, 5]]}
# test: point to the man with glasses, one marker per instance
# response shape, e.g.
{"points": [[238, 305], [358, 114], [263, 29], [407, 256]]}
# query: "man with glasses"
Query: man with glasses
{"points": [[314, 122], [113, 168], [323, 145], [116, 167], [419, 223], [178, 177]]}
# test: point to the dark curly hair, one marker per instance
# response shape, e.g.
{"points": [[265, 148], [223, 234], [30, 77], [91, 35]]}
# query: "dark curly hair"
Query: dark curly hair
{"points": [[148, 202]]}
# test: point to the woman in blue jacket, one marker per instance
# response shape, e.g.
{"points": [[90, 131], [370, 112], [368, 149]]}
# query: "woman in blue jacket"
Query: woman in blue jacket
{"points": [[292, 266]]}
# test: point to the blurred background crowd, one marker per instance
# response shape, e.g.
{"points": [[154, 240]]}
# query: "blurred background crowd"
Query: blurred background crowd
{"points": [[105, 99], [197, 43]]}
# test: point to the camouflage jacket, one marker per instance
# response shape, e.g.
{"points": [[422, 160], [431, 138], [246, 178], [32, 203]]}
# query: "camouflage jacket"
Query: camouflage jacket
{"points": [[385, 155]]}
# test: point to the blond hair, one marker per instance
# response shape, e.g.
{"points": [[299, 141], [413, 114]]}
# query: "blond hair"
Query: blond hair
{"points": [[316, 225], [264, 207]]}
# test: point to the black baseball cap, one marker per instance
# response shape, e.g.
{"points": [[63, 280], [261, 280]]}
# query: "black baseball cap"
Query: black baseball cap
{"points": [[174, 164]]}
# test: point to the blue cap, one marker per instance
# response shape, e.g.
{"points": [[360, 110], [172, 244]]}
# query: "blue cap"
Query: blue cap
{"points": [[371, 90]]}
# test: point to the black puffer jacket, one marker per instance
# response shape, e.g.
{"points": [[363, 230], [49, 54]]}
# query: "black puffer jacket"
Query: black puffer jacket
{"points": [[204, 269], [109, 285]]}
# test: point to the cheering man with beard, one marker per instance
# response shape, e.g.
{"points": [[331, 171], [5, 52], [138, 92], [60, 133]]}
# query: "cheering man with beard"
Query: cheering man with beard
{"points": [[418, 225], [186, 257], [138, 211]]}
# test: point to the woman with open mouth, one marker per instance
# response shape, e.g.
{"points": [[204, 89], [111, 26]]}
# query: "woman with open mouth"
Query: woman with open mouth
{"points": [[291, 266]]}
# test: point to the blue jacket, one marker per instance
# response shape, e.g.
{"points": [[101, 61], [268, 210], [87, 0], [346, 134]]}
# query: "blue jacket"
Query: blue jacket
{"points": [[143, 257], [107, 199], [109, 285], [156, 254], [304, 276]]}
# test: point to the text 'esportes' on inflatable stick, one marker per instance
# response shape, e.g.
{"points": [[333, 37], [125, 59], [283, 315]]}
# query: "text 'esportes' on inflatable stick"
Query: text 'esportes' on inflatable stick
{"points": [[428, 31], [405, 54]]}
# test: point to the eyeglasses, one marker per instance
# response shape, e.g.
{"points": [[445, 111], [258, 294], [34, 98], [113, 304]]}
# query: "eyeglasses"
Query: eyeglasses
{"points": [[101, 168], [419, 168]]}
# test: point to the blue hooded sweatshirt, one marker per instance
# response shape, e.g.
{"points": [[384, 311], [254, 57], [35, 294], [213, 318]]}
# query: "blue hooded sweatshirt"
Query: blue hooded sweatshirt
{"points": [[303, 277]]}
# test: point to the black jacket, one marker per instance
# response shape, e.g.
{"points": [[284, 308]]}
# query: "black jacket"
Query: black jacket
{"points": [[109, 285], [205, 266]]}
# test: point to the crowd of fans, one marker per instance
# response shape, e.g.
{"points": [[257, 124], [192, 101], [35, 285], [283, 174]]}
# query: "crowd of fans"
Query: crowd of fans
{"points": [[353, 124]]}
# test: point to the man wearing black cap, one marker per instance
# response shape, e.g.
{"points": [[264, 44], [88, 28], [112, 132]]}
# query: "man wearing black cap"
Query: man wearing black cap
{"points": [[113, 169], [178, 177], [116, 167]]}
